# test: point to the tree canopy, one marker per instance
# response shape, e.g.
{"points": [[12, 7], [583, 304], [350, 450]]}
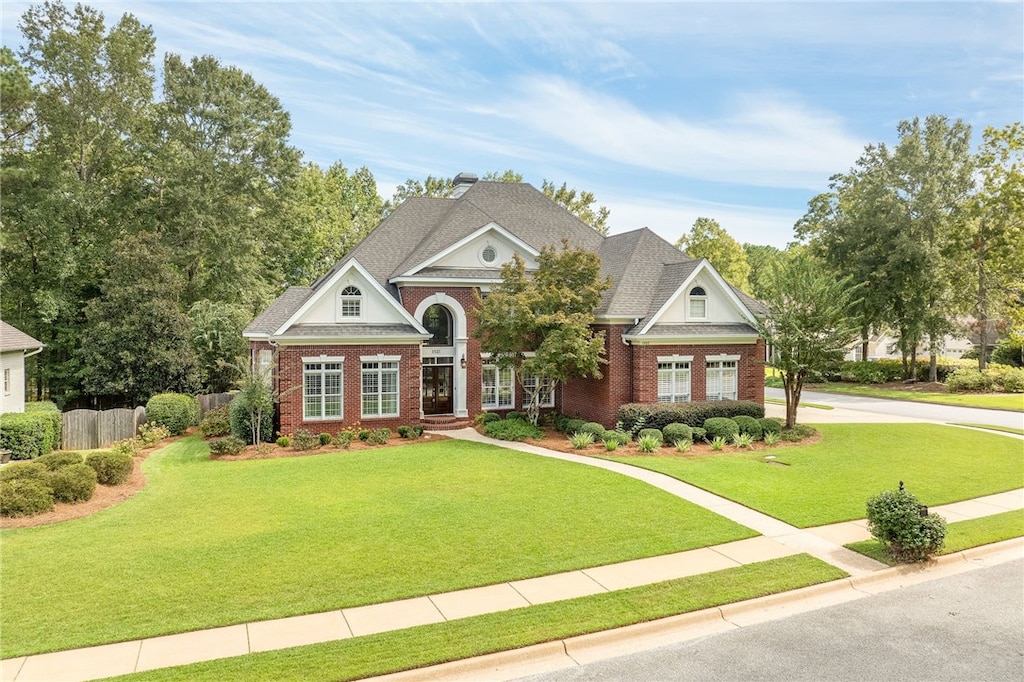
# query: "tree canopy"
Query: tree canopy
{"points": [[707, 239]]}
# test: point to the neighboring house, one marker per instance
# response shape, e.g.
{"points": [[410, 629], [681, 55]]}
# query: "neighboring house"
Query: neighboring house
{"points": [[886, 346], [15, 346], [385, 337]]}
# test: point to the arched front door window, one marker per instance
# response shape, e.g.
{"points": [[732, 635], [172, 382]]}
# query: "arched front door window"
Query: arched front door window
{"points": [[438, 322]]}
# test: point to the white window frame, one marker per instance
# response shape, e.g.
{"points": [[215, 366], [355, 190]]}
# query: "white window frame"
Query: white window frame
{"points": [[529, 385], [717, 369], [501, 387], [380, 366], [322, 368], [701, 298], [679, 374], [349, 301]]}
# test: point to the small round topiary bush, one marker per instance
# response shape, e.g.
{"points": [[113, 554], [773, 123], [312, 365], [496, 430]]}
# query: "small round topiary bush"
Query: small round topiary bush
{"points": [[770, 425], [593, 428], [749, 426], [284, 441], [24, 497], [325, 438], [176, 411], [571, 426], [897, 520], [112, 468], [33, 471], [59, 459], [620, 437], [721, 427], [73, 483], [650, 433], [699, 434], [676, 432], [488, 417]]}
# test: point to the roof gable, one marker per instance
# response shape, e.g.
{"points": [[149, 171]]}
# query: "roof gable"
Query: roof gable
{"points": [[471, 252], [13, 339], [673, 309]]}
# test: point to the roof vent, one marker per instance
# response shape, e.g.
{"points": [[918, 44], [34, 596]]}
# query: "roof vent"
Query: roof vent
{"points": [[462, 182]]}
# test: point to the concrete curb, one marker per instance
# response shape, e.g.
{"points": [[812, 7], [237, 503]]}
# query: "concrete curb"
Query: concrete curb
{"points": [[583, 649]]}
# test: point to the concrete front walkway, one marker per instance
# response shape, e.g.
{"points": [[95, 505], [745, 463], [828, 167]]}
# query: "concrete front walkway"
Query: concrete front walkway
{"points": [[777, 540]]}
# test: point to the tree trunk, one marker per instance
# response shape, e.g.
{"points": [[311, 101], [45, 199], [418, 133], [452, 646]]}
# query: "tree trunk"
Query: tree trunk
{"points": [[933, 363], [913, 365], [982, 310], [793, 385]]}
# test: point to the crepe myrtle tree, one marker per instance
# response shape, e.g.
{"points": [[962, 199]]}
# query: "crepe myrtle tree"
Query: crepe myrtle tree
{"points": [[809, 324], [539, 322]]}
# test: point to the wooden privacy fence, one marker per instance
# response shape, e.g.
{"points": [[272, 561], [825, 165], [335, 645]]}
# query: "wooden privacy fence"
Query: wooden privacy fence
{"points": [[90, 429], [211, 401]]}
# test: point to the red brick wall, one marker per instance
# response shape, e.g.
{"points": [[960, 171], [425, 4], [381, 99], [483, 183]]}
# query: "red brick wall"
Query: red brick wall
{"points": [[598, 400], [290, 374], [750, 369]]}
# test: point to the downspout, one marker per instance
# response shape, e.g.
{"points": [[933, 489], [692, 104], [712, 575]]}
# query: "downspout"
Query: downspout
{"points": [[37, 351]]}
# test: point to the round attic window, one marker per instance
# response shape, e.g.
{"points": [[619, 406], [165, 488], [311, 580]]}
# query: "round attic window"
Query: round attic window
{"points": [[489, 255]]}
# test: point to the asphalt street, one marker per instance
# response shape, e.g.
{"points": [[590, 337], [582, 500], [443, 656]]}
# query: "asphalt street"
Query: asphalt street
{"points": [[928, 411], [966, 627]]}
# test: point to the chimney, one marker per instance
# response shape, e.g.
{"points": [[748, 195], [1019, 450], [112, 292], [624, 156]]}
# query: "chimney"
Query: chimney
{"points": [[462, 182]]}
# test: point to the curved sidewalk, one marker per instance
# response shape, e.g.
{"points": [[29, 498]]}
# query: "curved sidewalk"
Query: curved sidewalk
{"points": [[777, 540]]}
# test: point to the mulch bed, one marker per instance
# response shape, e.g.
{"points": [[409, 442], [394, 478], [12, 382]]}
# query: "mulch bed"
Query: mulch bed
{"points": [[273, 451]]}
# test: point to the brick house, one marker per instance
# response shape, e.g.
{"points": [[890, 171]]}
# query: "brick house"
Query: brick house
{"points": [[384, 337]]}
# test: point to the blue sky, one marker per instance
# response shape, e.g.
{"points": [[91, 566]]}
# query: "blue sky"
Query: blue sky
{"points": [[666, 111]]}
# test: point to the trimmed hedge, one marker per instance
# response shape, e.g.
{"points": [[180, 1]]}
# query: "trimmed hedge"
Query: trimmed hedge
{"points": [[676, 432], [176, 411], [721, 427], [749, 426], [597, 430], [619, 437], [660, 415], [30, 434], [650, 433], [24, 497], [73, 483], [571, 426], [771, 425], [112, 468], [888, 370], [512, 429], [17, 471], [60, 459]]}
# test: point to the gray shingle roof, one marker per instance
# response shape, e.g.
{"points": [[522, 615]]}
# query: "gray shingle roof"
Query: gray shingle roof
{"points": [[645, 270], [12, 339], [278, 312]]}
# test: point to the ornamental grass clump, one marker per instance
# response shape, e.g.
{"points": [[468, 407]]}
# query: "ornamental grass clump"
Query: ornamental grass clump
{"points": [[743, 440], [648, 442], [581, 440], [907, 531]]}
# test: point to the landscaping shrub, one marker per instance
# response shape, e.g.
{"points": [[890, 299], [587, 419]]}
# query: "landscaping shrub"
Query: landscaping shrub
{"points": [[517, 415], [888, 370], [60, 458], [651, 433], [152, 433], [571, 426], [743, 440], [50, 415], [699, 434], [128, 446], [593, 428], [16, 471], [364, 434], [232, 445], [243, 418], [1013, 381], [324, 438], [28, 435], [512, 429], [749, 426], [305, 440], [344, 438], [721, 427], [176, 411], [488, 417], [112, 468], [649, 442], [1009, 353], [660, 415], [559, 421], [676, 432], [417, 429], [216, 423], [771, 425], [969, 380], [411, 432], [798, 433], [380, 436], [611, 445], [895, 519], [620, 437], [403, 431], [581, 439], [284, 441], [24, 497], [73, 483]]}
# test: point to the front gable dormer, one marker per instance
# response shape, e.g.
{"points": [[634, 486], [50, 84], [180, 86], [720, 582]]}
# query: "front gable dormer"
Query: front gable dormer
{"points": [[703, 297], [487, 248]]}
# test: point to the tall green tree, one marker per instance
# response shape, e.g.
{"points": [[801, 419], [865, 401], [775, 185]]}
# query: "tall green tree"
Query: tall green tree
{"points": [[808, 326], [216, 333], [762, 259], [580, 204], [707, 239], [539, 323]]}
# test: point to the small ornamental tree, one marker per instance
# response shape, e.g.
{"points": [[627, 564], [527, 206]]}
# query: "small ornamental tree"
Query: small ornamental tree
{"points": [[809, 325], [539, 323]]}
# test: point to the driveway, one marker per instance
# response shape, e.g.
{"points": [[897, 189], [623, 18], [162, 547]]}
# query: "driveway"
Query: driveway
{"points": [[897, 410]]}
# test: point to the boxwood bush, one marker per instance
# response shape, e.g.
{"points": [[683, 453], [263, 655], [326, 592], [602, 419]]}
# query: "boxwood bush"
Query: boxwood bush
{"points": [[73, 483], [676, 432], [512, 429], [749, 426], [721, 427], [176, 411], [112, 468], [660, 415], [23, 470], [24, 497], [227, 446], [650, 433], [619, 437], [770, 425], [60, 458], [593, 428]]}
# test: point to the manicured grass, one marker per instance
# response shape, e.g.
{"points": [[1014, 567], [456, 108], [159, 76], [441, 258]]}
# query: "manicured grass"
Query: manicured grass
{"points": [[989, 427], [211, 543], [960, 535], [999, 401], [782, 401], [433, 644], [831, 480]]}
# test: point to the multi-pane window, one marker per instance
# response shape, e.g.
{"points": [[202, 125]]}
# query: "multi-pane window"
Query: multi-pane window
{"points": [[721, 380], [351, 302], [380, 389], [531, 384], [698, 303], [322, 390], [673, 382], [496, 393]]}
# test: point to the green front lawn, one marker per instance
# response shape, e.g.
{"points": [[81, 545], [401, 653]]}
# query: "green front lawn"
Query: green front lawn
{"points": [[210, 543], [830, 481], [432, 644], [999, 401]]}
